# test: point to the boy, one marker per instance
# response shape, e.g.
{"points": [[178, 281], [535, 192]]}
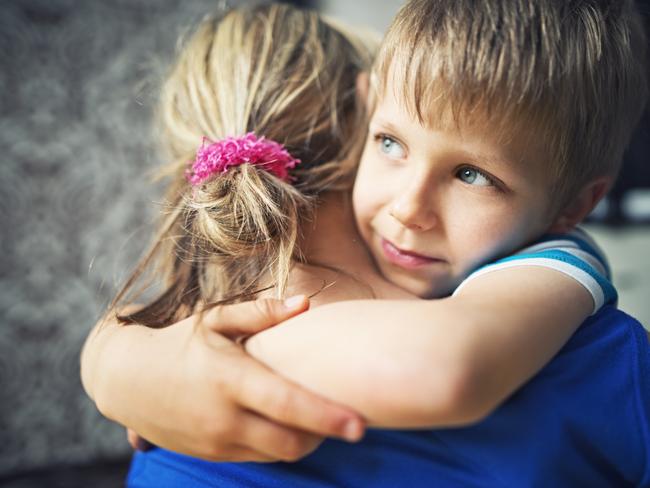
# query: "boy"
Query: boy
{"points": [[535, 148], [451, 110]]}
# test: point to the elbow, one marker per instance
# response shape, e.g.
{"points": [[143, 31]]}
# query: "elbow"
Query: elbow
{"points": [[86, 366], [93, 366], [450, 396], [464, 398]]}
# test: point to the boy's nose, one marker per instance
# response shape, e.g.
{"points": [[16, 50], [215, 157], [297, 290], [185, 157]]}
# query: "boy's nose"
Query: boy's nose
{"points": [[414, 211]]}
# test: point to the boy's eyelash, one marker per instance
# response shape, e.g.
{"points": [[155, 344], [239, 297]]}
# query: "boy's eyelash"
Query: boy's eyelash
{"points": [[496, 183], [381, 136]]}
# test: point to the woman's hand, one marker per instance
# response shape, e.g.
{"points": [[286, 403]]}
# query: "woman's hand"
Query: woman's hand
{"points": [[137, 442], [193, 389]]}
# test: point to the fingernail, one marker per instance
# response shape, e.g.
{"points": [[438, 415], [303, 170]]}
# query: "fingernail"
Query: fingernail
{"points": [[294, 301], [352, 430]]}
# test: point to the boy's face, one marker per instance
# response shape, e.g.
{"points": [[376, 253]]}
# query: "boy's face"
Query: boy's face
{"points": [[433, 204]]}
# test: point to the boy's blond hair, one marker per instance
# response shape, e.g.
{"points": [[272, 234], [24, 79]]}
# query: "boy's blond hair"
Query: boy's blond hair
{"points": [[280, 72], [570, 74]]}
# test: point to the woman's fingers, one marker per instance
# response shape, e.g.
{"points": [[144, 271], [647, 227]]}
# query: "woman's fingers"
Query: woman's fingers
{"points": [[275, 441], [254, 429], [137, 442], [241, 453], [248, 318], [257, 388]]}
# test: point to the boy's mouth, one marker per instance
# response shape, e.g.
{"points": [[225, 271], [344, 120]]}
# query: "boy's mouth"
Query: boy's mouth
{"points": [[405, 259]]}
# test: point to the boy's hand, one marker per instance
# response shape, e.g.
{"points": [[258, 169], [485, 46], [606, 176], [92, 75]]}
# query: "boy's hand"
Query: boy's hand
{"points": [[199, 393]]}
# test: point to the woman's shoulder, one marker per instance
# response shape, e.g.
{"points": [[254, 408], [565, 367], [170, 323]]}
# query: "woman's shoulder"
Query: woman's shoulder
{"points": [[327, 284]]}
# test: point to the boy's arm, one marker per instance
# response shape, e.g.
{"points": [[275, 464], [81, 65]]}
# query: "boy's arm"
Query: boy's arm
{"points": [[192, 389], [430, 363]]}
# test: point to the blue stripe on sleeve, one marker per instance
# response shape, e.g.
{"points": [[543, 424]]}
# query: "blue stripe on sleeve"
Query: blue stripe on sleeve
{"points": [[611, 296], [580, 238]]}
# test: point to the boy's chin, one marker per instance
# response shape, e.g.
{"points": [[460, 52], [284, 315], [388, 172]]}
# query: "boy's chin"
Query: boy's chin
{"points": [[418, 286]]}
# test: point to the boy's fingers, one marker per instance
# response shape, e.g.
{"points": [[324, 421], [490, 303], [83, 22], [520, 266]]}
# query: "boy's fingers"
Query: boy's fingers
{"points": [[251, 317], [273, 397], [275, 441]]}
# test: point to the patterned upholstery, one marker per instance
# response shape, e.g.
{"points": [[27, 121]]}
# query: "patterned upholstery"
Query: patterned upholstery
{"points": [[77, 85]]}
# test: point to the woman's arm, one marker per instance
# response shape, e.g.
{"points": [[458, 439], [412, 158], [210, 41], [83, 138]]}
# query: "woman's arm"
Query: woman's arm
{"points": [[430, 363], [191, 389]]}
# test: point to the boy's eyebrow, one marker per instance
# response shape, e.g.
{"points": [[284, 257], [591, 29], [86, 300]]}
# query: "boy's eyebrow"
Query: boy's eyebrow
{"points": [[383, 124], [489, 159], [480, 158], [486, 160]]}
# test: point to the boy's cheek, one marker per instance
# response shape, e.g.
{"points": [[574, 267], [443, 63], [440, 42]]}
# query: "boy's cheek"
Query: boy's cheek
{"points": [[363, 201], [365, 215], [371, 196]]}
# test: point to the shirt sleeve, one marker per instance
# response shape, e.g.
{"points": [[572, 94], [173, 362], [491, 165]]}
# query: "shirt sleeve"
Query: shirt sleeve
{"points": [[575, 254]]}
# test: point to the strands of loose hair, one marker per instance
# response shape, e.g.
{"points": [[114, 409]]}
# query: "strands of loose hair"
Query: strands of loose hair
{"points": [[282, 73]]}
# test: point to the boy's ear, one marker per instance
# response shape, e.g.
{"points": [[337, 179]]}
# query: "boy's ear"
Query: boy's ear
{"points": [[581, 205], [363, 87]]}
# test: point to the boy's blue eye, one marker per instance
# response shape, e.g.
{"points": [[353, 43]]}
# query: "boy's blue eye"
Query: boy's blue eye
{"points": [[472, 176], [391, 147]]}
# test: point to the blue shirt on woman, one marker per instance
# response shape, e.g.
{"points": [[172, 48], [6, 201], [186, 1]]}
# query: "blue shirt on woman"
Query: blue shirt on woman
{"points": [[583, 420]]}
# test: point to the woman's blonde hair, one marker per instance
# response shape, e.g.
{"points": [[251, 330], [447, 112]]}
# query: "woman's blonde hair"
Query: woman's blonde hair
{"points": [[282, 73], [569, 73]]}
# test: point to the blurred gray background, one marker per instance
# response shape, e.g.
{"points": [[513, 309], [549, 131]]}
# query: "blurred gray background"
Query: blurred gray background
{"points": [[78, 80], [77, 85]]}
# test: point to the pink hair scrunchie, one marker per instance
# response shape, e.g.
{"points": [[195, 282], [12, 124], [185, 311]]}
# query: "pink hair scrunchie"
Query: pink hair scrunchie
{"points": [[217, 157]]}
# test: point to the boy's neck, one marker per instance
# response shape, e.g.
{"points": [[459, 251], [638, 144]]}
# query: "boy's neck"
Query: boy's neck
{"points": [[337, 256]]}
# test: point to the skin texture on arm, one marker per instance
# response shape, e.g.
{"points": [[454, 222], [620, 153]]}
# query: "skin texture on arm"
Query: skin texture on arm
{"points": [[408, 364], [192, 389]]}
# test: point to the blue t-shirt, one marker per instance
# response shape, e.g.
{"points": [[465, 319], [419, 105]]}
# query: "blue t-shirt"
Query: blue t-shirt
{"points": [[583, 420]]}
